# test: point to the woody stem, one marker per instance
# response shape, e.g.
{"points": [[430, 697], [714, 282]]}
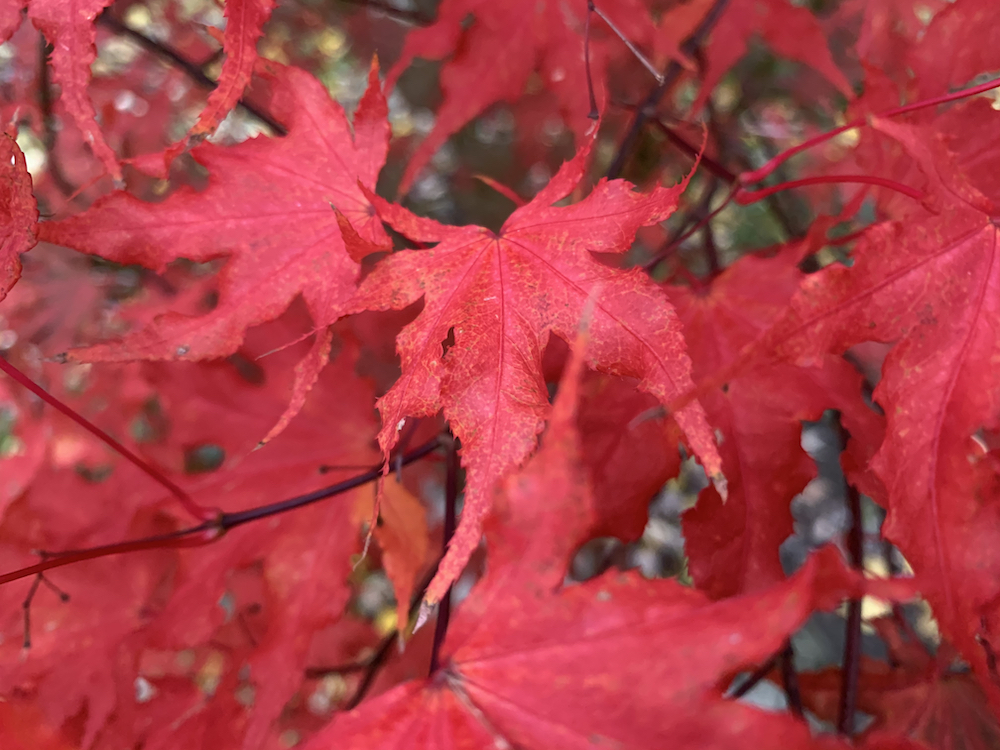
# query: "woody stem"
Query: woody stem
{"points": [[450, 503]]}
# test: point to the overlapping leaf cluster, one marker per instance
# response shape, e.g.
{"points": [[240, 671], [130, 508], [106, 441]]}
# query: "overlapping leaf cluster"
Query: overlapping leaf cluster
{"points": [[231, 309]]}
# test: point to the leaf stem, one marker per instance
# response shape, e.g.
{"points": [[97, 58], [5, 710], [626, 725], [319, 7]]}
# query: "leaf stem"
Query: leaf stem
{"points": [[745, 197], [183, 498], [748, 178]]}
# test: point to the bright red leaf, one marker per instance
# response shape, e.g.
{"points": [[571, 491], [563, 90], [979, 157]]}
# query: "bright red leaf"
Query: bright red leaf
{"points": [[530, 663], [492, 49], [245, 20], [732, 546], [18, 213], [931, 283], [791, 31], [498, 296], [269, 210]]}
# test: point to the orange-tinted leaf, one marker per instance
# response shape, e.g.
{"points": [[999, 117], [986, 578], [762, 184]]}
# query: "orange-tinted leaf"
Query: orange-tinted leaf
{"points": [[402, 536]]}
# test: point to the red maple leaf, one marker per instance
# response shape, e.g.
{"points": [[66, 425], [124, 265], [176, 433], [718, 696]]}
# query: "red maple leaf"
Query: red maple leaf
{"points": [[491, 59], [791, 31], [959, 44], [18, 213], [498, 296], [294, 567], [929, 283], [733, 546], [68, 25], [267, 209], [530, 663]]}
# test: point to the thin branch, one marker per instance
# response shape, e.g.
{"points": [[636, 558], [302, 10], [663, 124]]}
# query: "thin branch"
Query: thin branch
{"points": [[211, 530], [710, 164], [450, 505], [852, 643], [670, 76], [757, 675], [591, 7], [415, 17], [594, 113], [151, 471], [373, 663], [790, 680], [192, 70]]}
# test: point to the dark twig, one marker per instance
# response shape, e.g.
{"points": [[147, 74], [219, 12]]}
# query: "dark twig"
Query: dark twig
{"points": [[373, 663], [711, 164], [450, 503], [192, 70], [670, 76], [594, 113], [643, 60], [757, 675], [48, 118], [790, 680], [26, 604], [852, 644], [397, 14], [211, 530]]}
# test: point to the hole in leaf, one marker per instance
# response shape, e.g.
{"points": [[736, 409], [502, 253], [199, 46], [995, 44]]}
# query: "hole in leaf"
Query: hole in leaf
{"points": [[247, 369], [203, 458], [94, 473], [448, 342], [150, 424]]}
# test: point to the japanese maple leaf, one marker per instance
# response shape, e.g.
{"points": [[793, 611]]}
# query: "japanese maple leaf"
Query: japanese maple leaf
{"points": [[77, 645], [628, 456], [68, 25], [531, 664], [267, 208], [300, 561], [490, 59], [18, 213], [500, 295], [732, 547], [304, 557], [789, 30], [931, 284]]}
